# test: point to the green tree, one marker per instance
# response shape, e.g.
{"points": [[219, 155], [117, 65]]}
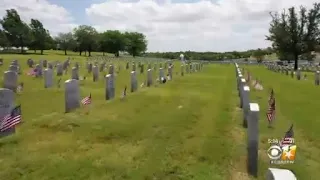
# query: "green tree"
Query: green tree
{"points": [[65, 41], [4, 42], [136, 43], [112, 41], [16, 31], [259, 55], [86, 38], [295, 33], [39, 35]]}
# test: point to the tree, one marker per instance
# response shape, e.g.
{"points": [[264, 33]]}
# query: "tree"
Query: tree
{"points": [[86, 38], [259, 55], [4, 42], [65, 41], [16, 31], [136, 43], [39, 35], [112, 42], [293, 34]]}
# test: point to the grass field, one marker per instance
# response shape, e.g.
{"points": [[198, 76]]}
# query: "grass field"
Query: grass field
{"points": [[188, 128]]}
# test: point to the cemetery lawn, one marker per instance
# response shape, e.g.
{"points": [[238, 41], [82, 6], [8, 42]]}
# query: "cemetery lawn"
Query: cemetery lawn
{"points": [[180, 130], [297, 103]]}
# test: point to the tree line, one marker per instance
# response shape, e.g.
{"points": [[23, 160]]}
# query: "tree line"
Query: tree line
{"points": [[83, 39], [257, 54]]}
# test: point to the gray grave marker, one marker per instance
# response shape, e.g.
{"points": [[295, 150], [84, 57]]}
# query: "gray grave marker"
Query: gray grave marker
{"points": [[48, 78], [95, 73], [75, 73], [10, 80], [72, 95], [253, 139], [6, 105], [134, 81], [110, 87]]}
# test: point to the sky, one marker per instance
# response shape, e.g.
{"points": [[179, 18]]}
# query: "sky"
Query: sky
{"points": [[169, 25]]}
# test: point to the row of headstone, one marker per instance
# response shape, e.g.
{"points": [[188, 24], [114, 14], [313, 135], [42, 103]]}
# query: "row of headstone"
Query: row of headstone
{"points": [[251, 123], [290, 71], [72, 95]]}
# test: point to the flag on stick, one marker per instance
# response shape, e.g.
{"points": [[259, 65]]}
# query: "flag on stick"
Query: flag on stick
{"points": [[271, 110], [12, 119], [124, 93], [271, 97], [86, 100], [288, 136]]}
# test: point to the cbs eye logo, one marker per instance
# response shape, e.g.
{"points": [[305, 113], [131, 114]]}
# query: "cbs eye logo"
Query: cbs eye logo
{"points": [[274, 152]]}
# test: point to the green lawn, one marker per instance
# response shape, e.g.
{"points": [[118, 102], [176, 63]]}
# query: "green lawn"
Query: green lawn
{"points": [[297, 103], [188, 128]]}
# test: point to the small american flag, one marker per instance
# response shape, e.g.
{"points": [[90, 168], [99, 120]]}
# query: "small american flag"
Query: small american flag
{"points": [[288, 136], [20, 88], [271, 97], [86, 100], [124, 93], [32, 72], [272, 110], [59, 83], [11, 119]]}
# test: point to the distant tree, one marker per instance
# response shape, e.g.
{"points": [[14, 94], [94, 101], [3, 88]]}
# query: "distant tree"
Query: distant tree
{"points": [[39, 35], [86, 38], [4, 42], [66, 41], [259, 54], [294, 34], [16, 31], [112, 41], [136, 43]]}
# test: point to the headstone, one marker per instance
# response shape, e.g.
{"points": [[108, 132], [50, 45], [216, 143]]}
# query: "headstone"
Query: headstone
{"points": [[170, 72], [161, 74], [45, 63], [292, 73], [90, 68], [110, 87], [13, 68], [298, 74], [6, 105], [317, 78], [253, 139], [134, 81], [59, 70], [75, 73], [30, 63], [38, 70], [127, 65], [10, 80], [48, 78], [182, 70], [111, 69], [149, 77], [101, 68], [95, 73], [76, 65], [72, 95], [141, 68], [280, 174], [50, 66], [133, 67], [245, 90]]}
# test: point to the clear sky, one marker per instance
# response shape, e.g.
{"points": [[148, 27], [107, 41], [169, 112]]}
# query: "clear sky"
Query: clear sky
{"points": [[170, 25]]}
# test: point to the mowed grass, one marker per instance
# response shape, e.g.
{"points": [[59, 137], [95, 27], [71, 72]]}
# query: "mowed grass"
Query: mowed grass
{"points": [[297, 103], [180, 130]]}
